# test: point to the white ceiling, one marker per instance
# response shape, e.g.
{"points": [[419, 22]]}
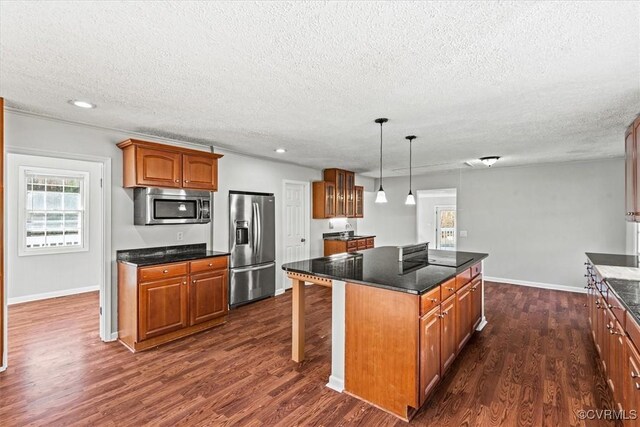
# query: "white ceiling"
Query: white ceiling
{"points": [[529, 81]]}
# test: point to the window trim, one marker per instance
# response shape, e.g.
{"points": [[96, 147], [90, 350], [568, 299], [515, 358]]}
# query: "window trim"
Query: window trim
{"points": [[23, 250]]}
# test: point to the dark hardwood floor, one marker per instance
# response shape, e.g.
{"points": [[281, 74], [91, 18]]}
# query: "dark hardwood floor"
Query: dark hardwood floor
{"points": [[533, 365]]}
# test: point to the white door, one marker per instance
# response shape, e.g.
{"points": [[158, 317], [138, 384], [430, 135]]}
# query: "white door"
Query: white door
{"points": [[296, 215], [54, 233], [446, 227]]}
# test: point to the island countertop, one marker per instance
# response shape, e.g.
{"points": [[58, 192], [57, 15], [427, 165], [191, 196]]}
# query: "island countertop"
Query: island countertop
{"points": [[379, 267]]}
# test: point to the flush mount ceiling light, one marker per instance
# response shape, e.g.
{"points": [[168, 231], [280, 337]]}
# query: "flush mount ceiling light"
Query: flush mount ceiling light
{"points": [[489, 160], [280, 150], [381, 197], [82, 104], [410, 199]]}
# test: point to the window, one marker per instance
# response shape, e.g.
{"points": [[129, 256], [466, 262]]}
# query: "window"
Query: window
{"points": [[52, 211]]}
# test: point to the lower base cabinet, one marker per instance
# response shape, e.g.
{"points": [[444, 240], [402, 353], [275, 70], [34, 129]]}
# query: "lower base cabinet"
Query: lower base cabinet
{"points": [[395, 362], [165, 302]]}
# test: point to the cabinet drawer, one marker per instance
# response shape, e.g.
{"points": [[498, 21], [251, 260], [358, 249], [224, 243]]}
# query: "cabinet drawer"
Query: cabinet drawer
{"points": [[616, 308], [476, 269], [430, 300], [352, 244], [158, 272], [362, 244], [370, 242], [209, 264], [463, 278], [448, 288]]}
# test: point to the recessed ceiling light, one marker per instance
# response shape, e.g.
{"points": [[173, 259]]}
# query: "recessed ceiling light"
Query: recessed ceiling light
{"points": [[280, 150], [82, 104], [489, 160]]}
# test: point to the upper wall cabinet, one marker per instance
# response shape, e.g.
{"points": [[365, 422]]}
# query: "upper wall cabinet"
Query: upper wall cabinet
{"points": [[149, 164], [337, 196], [632, 171]]}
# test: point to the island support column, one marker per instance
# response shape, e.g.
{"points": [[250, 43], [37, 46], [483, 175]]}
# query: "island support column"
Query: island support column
{"points": [[297, 338], [336, 380]]}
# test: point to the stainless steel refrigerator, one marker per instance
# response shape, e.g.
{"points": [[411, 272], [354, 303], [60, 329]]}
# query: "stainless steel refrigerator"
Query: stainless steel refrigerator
{"points": [[252, 244]]}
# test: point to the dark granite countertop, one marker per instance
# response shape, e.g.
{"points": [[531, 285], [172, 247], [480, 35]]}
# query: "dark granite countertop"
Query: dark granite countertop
{"points": [[379, 267], [627, 291], [614, 260], [145, 257], [341, 237]]}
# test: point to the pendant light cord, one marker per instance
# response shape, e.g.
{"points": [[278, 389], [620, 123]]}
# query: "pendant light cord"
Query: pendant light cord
{"points": [[380, 155], [410, 150]]}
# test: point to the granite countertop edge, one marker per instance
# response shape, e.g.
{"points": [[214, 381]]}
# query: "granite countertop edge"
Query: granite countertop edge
{"points": [[477, 257], [171, 258]]}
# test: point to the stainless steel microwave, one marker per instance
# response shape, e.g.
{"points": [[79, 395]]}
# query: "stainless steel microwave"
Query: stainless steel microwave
{"points": [[152, 206]]}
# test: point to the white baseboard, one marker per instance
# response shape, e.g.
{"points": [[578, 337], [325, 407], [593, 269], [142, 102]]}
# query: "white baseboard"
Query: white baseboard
{"points": [[336, 384], [47, 295], [551, 286], [113, 337]]}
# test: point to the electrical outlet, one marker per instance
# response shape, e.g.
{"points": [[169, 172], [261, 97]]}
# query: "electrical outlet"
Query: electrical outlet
{"points": [[463, 233], [180, 235]]}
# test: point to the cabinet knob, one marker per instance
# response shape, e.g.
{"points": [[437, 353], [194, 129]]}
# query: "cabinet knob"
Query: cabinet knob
{"points": [[210, 265], [185, 181], [584, 305], [633, 375], [177, 180], [165, 271], [184, 283], [440, 316], [434, 300], [451, 289], [637, 386], [193, 281]]}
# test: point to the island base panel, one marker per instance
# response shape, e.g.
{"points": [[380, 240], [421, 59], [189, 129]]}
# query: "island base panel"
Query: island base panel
{"points": [[381, 348]]}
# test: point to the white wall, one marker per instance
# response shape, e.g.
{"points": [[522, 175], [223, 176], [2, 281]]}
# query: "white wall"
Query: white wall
{"points": [[535, 222], [236, 172]]}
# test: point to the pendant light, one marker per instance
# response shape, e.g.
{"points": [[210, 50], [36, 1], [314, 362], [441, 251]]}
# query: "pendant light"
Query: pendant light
{"points": [[381, 197], [410, 199]]}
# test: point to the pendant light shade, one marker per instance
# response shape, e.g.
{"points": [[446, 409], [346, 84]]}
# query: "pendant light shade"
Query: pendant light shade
{"points": [[381, 197], [410, 199]]}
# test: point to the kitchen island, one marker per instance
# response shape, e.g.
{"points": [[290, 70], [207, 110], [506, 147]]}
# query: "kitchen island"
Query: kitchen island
{"points": [[397, 326]]}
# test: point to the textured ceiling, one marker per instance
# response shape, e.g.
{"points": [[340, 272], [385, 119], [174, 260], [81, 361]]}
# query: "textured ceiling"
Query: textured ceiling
{"points": [[529, 81]]}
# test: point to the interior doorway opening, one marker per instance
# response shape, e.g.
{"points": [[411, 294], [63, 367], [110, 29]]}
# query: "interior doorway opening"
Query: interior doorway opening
{"points": [[436, 214]]}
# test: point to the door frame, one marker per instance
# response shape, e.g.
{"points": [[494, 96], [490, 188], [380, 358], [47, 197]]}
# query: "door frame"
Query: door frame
{"points": [[438, 208], [105, 271], [307, 225]]}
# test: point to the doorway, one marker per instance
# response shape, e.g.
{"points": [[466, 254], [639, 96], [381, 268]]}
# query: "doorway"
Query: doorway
{"points": [[58, 230], [296, 224], [436, 215]]}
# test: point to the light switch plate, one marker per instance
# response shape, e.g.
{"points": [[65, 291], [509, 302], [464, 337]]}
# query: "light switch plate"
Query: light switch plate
{"points": [[463, 233]]}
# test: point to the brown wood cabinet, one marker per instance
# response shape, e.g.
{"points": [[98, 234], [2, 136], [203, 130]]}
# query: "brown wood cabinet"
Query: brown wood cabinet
{"points": [[332, 247], [162, 306], [324, 200], [208, 296], [464, 321], [376, 340], [448, 336], [430, 337], [632, 171], [616, 336], [149, 164], [338, 196], [165, 302], [359, 202]]}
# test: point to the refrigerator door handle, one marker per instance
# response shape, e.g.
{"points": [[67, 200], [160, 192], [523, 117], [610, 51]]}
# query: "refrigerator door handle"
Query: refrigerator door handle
{"points": [[259, 228], [253, 268], [254, 226]]}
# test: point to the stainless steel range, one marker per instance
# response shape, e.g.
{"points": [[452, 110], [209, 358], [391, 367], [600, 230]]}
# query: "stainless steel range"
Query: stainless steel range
{"points": [[252, 244]]}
